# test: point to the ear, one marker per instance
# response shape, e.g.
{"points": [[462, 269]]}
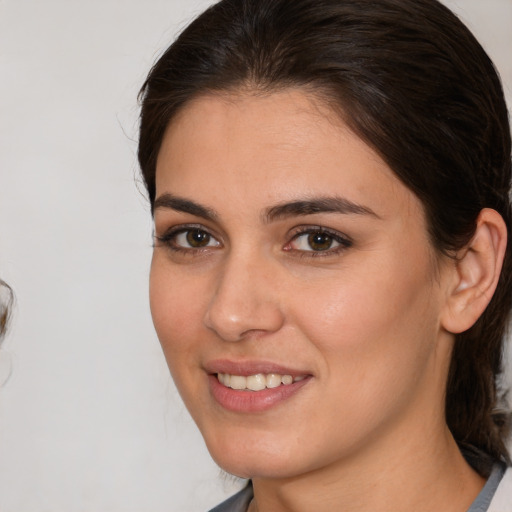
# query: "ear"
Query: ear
{"points": [[477, 269]]}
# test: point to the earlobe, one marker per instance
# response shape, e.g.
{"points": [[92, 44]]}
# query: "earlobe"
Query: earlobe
{"points": [[476, 273]]}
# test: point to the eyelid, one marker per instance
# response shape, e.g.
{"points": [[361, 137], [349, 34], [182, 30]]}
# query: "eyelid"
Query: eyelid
{"points": [[171, 233], [344, 241]]}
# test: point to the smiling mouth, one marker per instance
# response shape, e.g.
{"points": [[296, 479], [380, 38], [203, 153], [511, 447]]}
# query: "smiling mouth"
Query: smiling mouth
{"points": [[257, 382]]}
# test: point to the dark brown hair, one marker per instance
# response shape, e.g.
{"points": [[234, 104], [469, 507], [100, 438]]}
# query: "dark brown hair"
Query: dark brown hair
{"points": [[412, 81], [6, 299]]}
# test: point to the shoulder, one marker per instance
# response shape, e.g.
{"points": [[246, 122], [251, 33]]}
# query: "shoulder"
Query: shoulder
{"points": [[237, 503], [502, 499]]}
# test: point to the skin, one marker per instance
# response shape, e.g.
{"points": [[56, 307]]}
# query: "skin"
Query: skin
{"points": [[364, 319]]}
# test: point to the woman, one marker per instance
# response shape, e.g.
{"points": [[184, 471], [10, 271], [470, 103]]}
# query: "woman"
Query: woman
{"points": [[330, 282]]}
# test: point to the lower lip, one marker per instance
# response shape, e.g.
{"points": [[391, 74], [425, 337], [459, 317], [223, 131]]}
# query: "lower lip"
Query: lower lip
{"points": [[252, 401]]}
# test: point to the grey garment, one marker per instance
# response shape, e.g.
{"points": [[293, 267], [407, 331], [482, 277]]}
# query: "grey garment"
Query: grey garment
{"points": [[483, 500], [237, 503], [240, 501]]}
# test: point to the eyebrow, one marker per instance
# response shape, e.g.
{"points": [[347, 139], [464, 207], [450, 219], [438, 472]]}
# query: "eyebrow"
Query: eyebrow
{"points": [[180, 204], [282, 211], [317, 205]]}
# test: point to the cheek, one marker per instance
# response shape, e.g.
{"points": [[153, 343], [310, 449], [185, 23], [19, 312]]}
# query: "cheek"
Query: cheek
{"points": [[376, 334], [176, 310], [370, 322]]}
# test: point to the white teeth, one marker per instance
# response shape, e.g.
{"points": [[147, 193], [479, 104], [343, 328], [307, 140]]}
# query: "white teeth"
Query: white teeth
{"points": [[257, 382], [273, 380], [286, 379], [224, 378], [237, 382]]}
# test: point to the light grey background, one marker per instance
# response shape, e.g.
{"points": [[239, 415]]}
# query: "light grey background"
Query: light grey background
{"points": [[89, 419]]}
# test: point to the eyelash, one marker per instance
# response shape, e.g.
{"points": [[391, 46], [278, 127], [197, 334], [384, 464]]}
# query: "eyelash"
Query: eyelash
{"points": [[168, 239], [344, 242]]}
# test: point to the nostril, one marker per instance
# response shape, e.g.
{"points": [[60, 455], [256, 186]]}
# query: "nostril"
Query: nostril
{"points": [[249, 320]]}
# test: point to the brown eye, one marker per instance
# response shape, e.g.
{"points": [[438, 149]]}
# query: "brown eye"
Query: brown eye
{"points": [[197, 238], [188, 239], [320, 241]]}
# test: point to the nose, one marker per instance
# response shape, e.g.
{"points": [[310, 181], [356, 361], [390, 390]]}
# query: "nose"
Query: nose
{"points": [[245, 300]]}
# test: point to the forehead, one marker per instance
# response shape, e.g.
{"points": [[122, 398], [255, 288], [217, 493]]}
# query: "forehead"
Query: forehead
{"points": [[271, 148], [275, 121]]}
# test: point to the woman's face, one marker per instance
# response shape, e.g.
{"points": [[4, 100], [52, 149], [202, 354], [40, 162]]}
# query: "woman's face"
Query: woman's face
{"points": [[293, 287]]}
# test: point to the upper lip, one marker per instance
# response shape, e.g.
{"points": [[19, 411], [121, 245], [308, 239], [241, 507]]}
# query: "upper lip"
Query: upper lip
{"points": [[250, 367]]}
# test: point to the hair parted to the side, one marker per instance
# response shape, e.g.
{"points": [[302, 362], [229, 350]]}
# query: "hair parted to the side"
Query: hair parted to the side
{"points": [[412, 81]]}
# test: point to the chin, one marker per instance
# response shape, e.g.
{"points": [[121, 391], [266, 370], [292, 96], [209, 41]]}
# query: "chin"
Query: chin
{"points": [[253, 457], [256, 466]]}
